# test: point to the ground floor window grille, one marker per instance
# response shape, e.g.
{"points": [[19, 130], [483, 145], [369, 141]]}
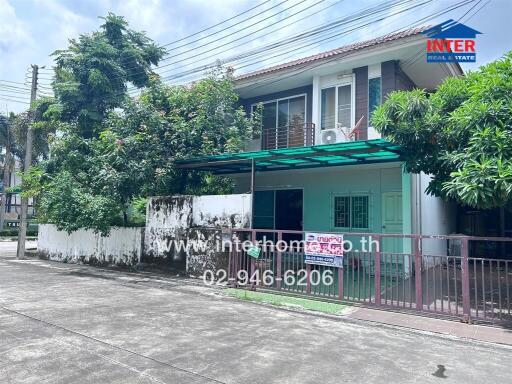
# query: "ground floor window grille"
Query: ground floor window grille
{"points": [[351, 212]]}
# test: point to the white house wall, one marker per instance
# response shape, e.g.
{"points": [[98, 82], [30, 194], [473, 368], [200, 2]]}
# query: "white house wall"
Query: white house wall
{"points": [[436, 217], [320, 185]]}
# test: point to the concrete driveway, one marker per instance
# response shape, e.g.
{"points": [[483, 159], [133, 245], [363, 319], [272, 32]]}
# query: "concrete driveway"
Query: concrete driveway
{"points": [[63, 323]]}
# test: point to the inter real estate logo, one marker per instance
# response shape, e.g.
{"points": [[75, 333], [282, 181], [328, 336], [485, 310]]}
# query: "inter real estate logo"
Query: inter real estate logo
{"points": [[451, 42]]}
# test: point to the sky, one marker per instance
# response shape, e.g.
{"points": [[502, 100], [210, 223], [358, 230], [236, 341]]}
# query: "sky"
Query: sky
{"points": [[30, 30]]}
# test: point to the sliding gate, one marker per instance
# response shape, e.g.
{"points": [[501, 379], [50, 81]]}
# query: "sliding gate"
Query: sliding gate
{"points": [[446, 275]]}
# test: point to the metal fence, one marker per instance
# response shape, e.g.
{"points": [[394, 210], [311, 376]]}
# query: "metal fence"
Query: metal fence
{"points": [[451, 281], [286, 136]]}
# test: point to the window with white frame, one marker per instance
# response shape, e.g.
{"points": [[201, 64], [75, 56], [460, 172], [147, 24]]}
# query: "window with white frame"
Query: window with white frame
{"points": [[337, 106], [352, 211], [280, 118]]}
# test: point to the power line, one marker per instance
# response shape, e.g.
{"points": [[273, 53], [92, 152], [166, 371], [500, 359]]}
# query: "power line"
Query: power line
{"points": [[196, 54], [363, 13], [12, 82], [420, 52], [360, 15], [307, 67], [13, 96], [380, 7], [225, 29], [257, 38], [469, 10], [168, 56], [13, 88], [14, 101], [216, 25], [478, 10], [237, 31]]}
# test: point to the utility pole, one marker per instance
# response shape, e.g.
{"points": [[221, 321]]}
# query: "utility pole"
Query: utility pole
{"points": [[22, 231], [7, 171]]}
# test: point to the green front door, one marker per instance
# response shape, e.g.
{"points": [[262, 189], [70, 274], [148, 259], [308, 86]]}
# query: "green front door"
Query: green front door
{"points": [[392, 221]]}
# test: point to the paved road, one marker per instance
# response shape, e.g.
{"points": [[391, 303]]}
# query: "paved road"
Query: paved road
{"points": [[63, 323]]}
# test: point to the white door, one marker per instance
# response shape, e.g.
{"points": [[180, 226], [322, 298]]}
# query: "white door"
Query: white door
{"points": [[392, 221]]}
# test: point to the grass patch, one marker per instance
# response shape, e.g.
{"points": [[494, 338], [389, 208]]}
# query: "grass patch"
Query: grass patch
{"points": [[286, 301]]}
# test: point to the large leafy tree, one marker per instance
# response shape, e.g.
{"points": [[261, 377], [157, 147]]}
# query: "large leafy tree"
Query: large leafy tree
{"points": [[112, 149], [92, 75], [169, 123], [461, 134], [91, 182], [91, 80]]}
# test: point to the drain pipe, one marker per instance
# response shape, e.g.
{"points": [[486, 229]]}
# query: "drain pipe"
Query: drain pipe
{"points": [[253, 186]]}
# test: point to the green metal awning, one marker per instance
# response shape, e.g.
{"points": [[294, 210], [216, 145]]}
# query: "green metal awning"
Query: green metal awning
{"points": [[316, 156]]}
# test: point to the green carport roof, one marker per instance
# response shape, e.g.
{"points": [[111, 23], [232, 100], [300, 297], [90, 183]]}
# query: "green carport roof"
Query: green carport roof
{"points": [[327, 155]]}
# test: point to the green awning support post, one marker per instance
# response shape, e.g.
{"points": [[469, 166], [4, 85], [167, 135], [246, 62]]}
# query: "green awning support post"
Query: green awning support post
{"points": [[253, 188]]}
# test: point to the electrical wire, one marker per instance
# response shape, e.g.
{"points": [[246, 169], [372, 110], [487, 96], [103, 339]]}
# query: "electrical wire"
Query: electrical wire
{"points": [[369, 11], [361, 15], [259, 37], [238, 37], [309, 67], [231, 26], [256, 52], [216, 25], [14, 101]]}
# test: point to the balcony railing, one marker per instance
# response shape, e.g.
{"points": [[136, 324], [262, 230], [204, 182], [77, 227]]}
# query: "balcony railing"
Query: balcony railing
{"points": [[292, 135]]}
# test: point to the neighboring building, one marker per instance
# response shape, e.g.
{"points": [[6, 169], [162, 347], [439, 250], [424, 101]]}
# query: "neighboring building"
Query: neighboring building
{"points": [[13, 206], [319, 165]]}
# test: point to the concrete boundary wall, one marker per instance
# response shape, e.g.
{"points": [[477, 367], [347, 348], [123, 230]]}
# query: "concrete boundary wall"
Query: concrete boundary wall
{"points": [[123, 246], [192, 219]]}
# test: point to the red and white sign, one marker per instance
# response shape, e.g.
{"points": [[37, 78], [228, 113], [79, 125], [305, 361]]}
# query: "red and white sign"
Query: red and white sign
{"points": [[324, 249]]}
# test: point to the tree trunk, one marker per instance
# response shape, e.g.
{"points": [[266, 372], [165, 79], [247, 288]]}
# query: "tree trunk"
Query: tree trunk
{"points": [[125, 218], [6, 179]]}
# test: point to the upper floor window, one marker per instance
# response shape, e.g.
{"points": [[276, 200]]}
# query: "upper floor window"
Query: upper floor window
{"points": [[282, 122], [374, 94], [336, 107]]}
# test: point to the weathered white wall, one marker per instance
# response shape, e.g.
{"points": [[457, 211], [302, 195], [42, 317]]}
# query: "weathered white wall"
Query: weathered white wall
{"points": [[188, 219], [123, 246]]}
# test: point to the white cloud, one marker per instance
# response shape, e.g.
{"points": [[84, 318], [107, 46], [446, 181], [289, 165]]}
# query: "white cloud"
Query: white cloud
{"points": [[31, 30]]}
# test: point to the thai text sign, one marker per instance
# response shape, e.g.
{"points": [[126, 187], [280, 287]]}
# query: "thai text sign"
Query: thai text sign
{"points": [[324, 249]]}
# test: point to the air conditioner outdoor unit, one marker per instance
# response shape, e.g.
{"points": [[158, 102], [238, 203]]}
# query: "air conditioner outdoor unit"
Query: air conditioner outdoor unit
{"points": [[331, 136]]}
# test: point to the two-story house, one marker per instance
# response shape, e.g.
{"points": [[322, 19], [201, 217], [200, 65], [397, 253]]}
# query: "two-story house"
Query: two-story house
{"points": [[318, 165]]}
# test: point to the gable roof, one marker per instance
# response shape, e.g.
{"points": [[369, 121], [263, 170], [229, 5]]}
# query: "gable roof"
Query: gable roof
{"points": [[336, 52], [451, 29]]}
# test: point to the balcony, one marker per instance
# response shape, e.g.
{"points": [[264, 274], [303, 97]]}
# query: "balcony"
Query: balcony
{"points": [[292, 135]]}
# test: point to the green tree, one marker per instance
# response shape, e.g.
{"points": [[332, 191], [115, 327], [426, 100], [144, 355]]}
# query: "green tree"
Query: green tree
{"points": [[169, 123], [461, 135], [92, 75], [133, 155]]}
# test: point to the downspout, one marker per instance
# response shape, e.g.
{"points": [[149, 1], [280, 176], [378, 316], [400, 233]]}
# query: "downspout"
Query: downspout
{"points": [[419, 194], [253, 185]]}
